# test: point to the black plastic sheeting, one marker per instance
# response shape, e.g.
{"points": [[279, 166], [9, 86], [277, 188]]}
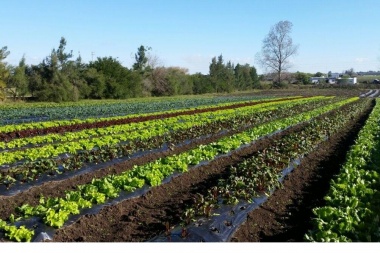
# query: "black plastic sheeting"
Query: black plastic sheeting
{"points": [[20, 187], [223, 223], [46, 233], [89, 167]]}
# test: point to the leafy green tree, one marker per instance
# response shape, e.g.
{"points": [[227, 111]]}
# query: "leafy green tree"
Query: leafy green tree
{"points": [[302, 78], [75, 71], [96, 83], [18, 81], [319, 74], [55, 71], [178, 81], [4, 71], [171, 81], [159, 82], [35, 81], [135, 84], [120, 82], [55, 86], [114, 74], [201, 83], [59, 78], [350, 72]]}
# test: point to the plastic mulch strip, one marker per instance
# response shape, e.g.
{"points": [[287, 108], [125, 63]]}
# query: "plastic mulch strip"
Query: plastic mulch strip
{"points": [[44, 232], [224, 221]]}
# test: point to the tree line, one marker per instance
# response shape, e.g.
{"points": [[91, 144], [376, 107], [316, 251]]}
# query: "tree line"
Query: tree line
{"points": [[60, 77]]}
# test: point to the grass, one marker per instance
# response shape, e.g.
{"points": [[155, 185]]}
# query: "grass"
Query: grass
{"points": [[362, 79]]}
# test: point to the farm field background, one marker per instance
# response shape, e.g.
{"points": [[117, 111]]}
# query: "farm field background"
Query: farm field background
{"points": [[240, 167]]}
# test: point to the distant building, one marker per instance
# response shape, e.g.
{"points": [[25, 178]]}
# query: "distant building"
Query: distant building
{"points": [[333, 79], [349, 80], [334, 75], [318, 80]]}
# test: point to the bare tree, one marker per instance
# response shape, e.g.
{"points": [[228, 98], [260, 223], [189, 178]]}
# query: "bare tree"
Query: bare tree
{"points": [[154, 61], [277, 49]]}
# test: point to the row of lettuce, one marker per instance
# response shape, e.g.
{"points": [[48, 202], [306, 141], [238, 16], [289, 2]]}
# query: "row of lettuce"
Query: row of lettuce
{"points": [[70, 142], [38, 112], [125, 118], [261, 172], [55, 211], [103, 144], [352, 209]]}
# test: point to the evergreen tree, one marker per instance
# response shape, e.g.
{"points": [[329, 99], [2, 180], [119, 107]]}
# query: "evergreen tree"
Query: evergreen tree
{"points": [[221, 75], [4, 72], [54, 71], [18, 81], [243, 77], [141, 58], [255, 78]]}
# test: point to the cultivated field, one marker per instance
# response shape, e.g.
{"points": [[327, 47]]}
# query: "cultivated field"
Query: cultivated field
{"points": [[278, 165]]}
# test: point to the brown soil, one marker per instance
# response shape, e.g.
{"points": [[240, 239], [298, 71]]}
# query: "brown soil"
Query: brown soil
{"points": [[285, 217]]}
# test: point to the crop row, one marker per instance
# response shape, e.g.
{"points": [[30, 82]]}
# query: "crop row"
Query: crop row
{"points": [[30, 171], [55, 211], [352, 205], [31, 129], [14, 114], [135, 126], [97, 138], [260, 173]]}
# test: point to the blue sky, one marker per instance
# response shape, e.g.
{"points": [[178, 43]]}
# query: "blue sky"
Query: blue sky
{"points": [[332, 35]]}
